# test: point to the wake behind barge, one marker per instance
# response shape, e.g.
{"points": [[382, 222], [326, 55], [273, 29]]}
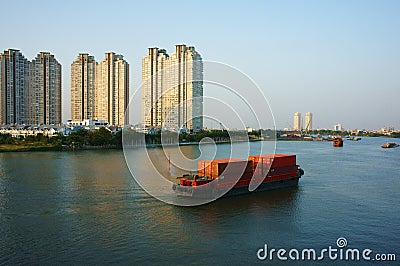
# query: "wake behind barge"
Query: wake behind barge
{"points": [[217, 177]]}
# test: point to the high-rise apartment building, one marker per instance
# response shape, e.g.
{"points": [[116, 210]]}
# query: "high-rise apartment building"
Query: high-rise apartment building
{"points": [[30, 91], [112, 90], [297, 125], [172, 88], [13, 87], [154, 82], [308, 122], [44, 96], [83, 79], [187, 85]]}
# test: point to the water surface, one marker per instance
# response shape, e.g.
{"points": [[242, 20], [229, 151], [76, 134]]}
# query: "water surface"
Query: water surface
{"points": [[85, 208]]}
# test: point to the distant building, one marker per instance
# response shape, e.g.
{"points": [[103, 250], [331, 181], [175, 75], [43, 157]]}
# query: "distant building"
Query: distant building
{"points": [[83, 79], [297, 125], [112, 90], [172, 88], [22, 131], [87, 122], [308, 122], [44, 97], [338, 127], [13, 87]]}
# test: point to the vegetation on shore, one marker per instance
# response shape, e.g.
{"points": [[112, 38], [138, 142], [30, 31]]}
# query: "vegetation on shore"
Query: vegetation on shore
{"points": [[76, 140], [104, 138]]}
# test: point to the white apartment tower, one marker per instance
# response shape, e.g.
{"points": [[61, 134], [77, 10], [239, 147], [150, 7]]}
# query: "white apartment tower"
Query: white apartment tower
{"points": [[297, 122], [308, 121], [83, 79], [172, 88], [112, 90]]}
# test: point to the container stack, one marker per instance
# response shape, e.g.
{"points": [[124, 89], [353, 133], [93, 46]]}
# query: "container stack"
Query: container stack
{"points": [[269, 167], [226, 167], [273, 164]]}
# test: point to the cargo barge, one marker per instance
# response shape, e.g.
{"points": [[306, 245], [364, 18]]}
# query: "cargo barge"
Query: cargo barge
{"points": [[230, 177]]}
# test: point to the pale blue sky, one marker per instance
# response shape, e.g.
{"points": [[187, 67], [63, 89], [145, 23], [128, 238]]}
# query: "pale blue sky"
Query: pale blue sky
{"points": [[339, 60]]}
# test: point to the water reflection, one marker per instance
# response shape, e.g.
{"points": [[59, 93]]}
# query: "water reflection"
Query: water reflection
{"points": [[222, 211]]}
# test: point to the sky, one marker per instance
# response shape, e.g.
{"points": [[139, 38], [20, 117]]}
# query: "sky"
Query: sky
{"points": [[339, 60]]}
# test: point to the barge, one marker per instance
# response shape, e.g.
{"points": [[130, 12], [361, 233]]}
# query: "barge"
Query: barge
{"points": [[230, 177]]}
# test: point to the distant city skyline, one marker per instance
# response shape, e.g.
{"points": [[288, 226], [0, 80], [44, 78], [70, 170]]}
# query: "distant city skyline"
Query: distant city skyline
{"points": [[300, 124], [339, 59]]}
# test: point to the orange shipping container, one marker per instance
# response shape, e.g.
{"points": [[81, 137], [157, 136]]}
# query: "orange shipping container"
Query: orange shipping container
{"points": [[276, 171], [274, 160], [215, 168]]}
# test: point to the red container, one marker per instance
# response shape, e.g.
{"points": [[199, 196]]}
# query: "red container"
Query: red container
{"points": [[215, 168], [281, 160], [232, 167], [282, 170], [205, 167], [246, 176], [273, 160]]}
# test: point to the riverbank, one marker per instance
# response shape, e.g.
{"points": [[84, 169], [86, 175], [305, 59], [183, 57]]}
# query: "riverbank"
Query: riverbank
{"points": [[32, 147], [50, 147], [27, 147]]}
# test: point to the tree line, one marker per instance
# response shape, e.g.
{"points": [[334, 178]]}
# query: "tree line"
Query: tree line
{"points": [[105, 138], [79, 138]]}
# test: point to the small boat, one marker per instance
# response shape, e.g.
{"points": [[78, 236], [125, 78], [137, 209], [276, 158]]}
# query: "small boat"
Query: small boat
{"points": [[338, 142], [388, 145], [353, 138]]}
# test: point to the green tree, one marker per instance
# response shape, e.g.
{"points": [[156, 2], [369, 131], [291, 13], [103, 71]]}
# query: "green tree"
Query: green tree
{"points": [[100, 137], [78, 138], [6, 139], [117, 139]]}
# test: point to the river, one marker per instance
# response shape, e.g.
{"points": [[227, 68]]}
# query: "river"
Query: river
{"points": [[85, 208]]}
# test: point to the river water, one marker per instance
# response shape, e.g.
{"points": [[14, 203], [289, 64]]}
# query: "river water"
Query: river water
{"points": [[85, 208]]}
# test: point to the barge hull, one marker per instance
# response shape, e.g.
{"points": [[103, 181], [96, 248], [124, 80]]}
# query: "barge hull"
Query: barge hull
{"points": [[199, 192], [289, 182]]}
